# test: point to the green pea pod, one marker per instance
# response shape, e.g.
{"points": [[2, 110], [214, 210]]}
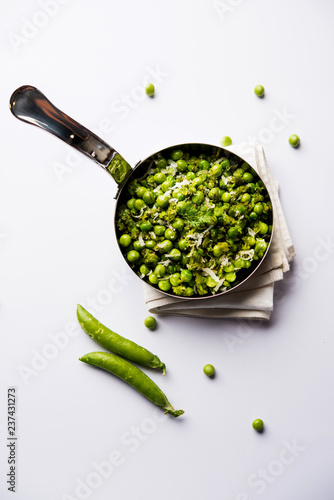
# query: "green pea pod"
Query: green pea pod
{"points": [[132, 376], [116, 343]]}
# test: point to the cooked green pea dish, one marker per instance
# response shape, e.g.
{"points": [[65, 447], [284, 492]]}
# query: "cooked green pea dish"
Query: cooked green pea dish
{"points": [[195, 225]]}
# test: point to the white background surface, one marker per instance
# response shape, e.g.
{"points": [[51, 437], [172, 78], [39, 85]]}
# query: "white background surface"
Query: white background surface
{"points": [[57, 248]]}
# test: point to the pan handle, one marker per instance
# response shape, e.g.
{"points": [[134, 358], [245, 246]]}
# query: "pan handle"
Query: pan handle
{"points": [[29, 105]]}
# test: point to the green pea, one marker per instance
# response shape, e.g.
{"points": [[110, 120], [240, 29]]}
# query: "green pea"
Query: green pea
{"points": [[159, 230], [149, 89], [198, 197], [177, 154], [153, 278], [178, 194], [258, 424], [165, 246], [240, 210], [181, 207], [150, 322], [125, 240], [144, 269], [233, 232], [165, 186], [214, 193], [263, 228], [140, 191], [150, 243], [217, 250], [251, 241], [204, 164], [189, 292], [211, 282], [149, 197], [198, 181], [238, 173], [252, 216], [159, 177], [294, 140], [190, 176], [139, 204], [171, 268], [170, 234], [183, 244], [239, 264], [184, 260], [216, 170], [160, 270], [161, 163], [226, 141], [259, 90], [133, 256], [245, 166], [164, 285], [245, 198], [137, 245], [247, 177], [150, 258], [228, 269], [145, 226], [175, 279], [131, 203], [258, 209], [226, 197], [181, 165], [230, 277], [162, 201], [186, 275], [260, 247], [175, 254], [209, 370], [178, 224]]}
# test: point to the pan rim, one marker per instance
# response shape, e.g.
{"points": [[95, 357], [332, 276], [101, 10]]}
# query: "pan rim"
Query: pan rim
{"points": [[203, 297]]}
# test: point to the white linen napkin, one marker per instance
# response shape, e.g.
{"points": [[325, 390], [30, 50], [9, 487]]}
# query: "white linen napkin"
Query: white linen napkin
{"points": [[254, 299]]}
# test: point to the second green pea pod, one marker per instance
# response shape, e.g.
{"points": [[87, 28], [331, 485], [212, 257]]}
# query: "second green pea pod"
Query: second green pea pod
{"points": [[116, 343]]}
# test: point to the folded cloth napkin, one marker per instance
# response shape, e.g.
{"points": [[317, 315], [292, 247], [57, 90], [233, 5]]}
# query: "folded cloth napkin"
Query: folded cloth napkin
{"points": [[254, 298]]}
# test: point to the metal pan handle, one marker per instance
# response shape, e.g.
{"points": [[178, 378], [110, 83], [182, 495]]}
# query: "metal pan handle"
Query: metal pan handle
{"points": [[29, 105]]}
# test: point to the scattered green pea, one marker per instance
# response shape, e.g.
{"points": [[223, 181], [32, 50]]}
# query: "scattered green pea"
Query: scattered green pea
{"points": [[258, 424], [150, 89], [259, 90], [226, 141], [294, 140], [209, 370], [150, 322]]}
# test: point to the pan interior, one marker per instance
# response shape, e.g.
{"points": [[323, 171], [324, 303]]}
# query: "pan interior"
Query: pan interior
{"points": [[193, 149]]}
